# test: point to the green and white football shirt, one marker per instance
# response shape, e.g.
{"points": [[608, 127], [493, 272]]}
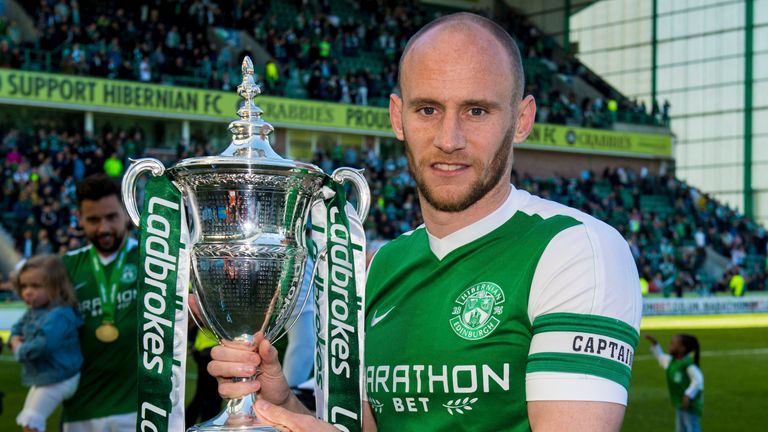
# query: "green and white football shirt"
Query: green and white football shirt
{"points": [[109, 374], [537, 301]]}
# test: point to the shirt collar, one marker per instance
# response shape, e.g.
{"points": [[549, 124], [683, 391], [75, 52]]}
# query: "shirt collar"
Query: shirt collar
{"points": [[130, 244], [441, 247]]}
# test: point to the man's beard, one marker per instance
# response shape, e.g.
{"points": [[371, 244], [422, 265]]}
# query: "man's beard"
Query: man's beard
{"points": [[114, 247], [482, 185]]}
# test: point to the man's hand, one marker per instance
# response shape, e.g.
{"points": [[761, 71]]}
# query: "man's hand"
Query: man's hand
{"points": [[652, 339], [15, 342], [232, 360], [277, 416], [238, 360], [686, 402]]}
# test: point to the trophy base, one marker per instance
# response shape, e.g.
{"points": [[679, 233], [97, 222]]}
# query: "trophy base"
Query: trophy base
{"points": [[208, 427], [238, 416]]}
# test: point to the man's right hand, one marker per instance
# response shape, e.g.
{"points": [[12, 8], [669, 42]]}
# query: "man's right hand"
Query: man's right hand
{"points": [[652, 339], [235, 360]]}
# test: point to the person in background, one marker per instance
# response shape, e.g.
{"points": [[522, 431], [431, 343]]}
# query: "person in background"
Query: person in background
{"points": [[684, 379], [104, 274], [45, 339], [737, 282]]}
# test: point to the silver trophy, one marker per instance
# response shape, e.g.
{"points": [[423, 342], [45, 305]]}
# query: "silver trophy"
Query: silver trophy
{"points": [[248, 209]]}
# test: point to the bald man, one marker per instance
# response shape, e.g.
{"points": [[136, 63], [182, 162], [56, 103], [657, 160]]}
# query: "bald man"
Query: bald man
{"points": [[504, 311]]}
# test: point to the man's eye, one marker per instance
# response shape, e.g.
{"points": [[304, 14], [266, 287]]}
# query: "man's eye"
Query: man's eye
{"points": [[428, 111], [477, 111]]}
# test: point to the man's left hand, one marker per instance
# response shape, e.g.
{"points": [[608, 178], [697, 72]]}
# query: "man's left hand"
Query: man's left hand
{"points": [[277, 416]]}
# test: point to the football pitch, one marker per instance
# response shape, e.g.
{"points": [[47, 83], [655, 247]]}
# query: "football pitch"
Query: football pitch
{"points": [[733, 362]]}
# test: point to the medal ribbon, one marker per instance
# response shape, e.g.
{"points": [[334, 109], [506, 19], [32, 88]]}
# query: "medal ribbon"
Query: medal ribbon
{"points": [[108, 298]]}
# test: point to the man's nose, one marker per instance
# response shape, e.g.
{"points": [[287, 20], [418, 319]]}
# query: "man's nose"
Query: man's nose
{"points": [[450, 138], [104, 226]]}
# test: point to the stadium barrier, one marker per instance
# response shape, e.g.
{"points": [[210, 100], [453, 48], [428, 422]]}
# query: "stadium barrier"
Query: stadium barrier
{"points": [[705, 306], [81, 93]]}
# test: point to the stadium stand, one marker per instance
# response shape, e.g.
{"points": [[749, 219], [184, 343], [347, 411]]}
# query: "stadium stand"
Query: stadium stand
{"points": [[670, 226], [341, 51], [347, 52]]}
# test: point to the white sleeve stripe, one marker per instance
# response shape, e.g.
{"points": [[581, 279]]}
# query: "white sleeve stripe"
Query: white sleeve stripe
{"points": [[551, 386]]}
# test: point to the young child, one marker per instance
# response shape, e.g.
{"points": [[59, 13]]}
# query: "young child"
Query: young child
{"points": [[684, 379], [45, 339]]}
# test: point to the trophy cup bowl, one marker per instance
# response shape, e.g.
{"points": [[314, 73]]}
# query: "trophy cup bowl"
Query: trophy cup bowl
{"points": [[248, 209]]}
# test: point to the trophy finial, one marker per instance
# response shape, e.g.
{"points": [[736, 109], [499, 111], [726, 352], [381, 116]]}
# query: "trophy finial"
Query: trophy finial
{"points": [[250, 134], [248, 87], [247, 66]]}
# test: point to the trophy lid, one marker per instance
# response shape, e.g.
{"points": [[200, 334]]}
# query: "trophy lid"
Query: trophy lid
{"points": [[250, 148]]}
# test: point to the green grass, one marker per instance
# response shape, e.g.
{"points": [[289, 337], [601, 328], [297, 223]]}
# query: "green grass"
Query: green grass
{"points": [[10, 384], [734, 365]]}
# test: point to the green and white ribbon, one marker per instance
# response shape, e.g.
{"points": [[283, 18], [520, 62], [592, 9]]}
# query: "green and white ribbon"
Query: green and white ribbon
{"points": [[162, 314], [339, 299]]}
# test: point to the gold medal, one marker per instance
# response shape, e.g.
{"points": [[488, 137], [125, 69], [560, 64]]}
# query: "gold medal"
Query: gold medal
{"points": [[107, 332]]}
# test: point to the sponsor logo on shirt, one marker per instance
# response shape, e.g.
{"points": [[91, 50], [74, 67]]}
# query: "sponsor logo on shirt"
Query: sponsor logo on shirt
{"points": [[475, 311], [92, 307], [377, 318], [454, 388]]}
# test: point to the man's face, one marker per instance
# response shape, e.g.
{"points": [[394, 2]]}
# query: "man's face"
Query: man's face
{"points": [[104, 222], [457, 116]]}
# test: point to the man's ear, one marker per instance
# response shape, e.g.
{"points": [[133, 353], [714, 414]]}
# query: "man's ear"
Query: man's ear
{"points": [[526, 116], [396, 115]]}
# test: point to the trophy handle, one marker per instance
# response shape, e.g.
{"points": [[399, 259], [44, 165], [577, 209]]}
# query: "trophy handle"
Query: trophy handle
{"points": [[196, 312], [195, 230], [362, 191], [320, 257], [138, 166]]}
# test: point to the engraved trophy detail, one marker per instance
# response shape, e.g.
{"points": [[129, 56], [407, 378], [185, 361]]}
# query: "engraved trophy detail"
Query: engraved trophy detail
{"points": [[248, 209]]}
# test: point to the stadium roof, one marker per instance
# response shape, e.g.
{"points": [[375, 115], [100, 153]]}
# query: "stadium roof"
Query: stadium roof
{"points": [[548, 15]]}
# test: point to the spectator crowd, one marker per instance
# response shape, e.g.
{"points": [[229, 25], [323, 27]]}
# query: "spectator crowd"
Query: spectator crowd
{"points": [[318, 51], [668, 224], [312, 45]]}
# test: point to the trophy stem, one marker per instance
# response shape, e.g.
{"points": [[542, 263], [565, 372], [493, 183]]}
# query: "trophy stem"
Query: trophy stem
{"points": [[237, 416]]}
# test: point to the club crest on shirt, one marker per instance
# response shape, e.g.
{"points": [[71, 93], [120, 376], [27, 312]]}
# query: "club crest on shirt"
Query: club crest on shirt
{"points": [[678, 377], [130, 273], [475, 310]]}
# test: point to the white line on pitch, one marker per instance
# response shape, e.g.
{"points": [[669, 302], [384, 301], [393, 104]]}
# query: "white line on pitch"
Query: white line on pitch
{"points": [[719, 353]]}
